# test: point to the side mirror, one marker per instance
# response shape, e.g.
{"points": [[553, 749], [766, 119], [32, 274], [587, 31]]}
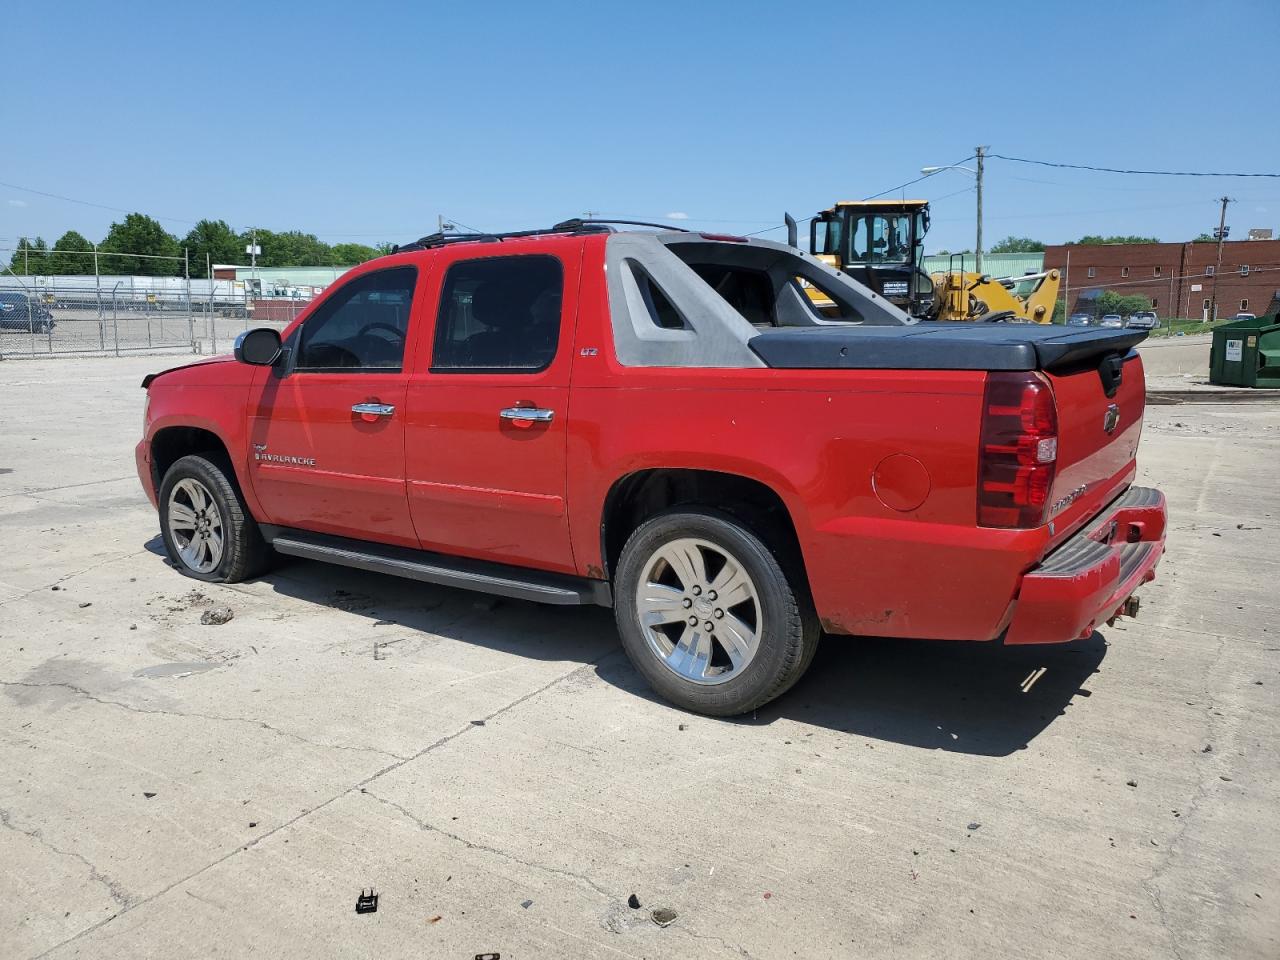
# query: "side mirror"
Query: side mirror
{"points": [[260, 347]]}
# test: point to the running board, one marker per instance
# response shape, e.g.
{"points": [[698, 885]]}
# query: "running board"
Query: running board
{"points": [[495, 578]]}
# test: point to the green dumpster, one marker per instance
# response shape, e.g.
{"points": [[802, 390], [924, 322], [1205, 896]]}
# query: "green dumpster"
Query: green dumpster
{"points": [[1246, 353]]}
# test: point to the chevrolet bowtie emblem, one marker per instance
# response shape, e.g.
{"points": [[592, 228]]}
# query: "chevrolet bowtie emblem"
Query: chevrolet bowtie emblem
{"points": [[1112, 418]]}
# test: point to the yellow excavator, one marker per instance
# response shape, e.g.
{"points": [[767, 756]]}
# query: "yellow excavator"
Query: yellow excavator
{"points": [[880, 243]]}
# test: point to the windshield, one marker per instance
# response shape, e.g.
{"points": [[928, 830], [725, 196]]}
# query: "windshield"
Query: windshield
{"points": [[880, 238]]}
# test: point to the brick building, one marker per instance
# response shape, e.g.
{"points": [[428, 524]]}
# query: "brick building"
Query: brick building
{"points": [[1177, 279]]}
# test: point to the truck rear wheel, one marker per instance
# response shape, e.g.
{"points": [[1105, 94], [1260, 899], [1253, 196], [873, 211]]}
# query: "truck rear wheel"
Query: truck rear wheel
{"points": [[707, 614], [207, 529]]}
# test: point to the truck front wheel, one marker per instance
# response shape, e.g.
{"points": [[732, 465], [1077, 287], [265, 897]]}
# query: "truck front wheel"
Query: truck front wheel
{"points": [[207, 529], [707, 614]]}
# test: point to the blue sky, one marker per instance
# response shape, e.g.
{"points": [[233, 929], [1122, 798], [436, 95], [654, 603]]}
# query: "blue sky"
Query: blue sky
{"points": [[363, 121]]}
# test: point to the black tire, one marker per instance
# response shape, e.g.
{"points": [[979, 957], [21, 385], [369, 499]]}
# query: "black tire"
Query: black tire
{"points": [[788, 631], [244, 553]]}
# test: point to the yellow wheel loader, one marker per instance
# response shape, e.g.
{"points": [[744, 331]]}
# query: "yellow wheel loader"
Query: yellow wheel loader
{"points": [[880, 243]]}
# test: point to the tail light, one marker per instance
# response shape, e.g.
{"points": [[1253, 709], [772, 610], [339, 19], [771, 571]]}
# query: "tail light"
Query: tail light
{"points": [[1018, 453]]}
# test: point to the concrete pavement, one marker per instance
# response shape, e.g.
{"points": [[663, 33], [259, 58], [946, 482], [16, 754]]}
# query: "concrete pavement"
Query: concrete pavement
{"points": [[499, 773]]}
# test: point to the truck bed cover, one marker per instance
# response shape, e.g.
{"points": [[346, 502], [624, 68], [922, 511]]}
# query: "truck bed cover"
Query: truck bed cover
{"points": [[937, 345]]}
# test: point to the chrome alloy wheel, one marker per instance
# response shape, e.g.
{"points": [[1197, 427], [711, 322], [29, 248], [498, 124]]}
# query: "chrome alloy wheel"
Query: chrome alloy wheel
{"points": [[195, 524], [699, 611]]}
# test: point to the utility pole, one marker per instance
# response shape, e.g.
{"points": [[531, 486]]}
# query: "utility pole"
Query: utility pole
{"points": [[1221, 235], [980, 153], [442, 224], [253, 266], [1066, 291]]}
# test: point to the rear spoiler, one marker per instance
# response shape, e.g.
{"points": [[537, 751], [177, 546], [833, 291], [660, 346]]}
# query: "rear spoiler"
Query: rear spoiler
{"points": [[1076, 349]]}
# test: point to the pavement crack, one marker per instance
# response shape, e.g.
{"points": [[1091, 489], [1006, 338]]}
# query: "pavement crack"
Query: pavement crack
{"points": [[353, 788], [65, 486], [736, 948], [70, 576], [114, 889], [505, 854], [1152, 882], [202, 716]]}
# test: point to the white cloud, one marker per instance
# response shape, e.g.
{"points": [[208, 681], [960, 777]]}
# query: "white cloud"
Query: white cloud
{"points": [[677, 215], [16, 203]]}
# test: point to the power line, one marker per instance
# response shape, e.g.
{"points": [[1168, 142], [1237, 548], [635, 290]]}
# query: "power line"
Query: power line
{"points": [[84, 203], [919, 178], [1149, 173], [945, 196]]}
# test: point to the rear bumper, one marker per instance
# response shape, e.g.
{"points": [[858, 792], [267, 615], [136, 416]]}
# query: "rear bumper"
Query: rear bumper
{"points": [[1087, 580]]}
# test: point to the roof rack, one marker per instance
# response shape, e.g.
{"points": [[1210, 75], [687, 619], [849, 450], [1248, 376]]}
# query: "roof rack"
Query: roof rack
{"points": [[577, 223], [572, 225]]}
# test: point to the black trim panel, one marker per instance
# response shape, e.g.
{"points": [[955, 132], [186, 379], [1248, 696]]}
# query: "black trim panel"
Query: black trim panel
{"points": [[495, 578]]}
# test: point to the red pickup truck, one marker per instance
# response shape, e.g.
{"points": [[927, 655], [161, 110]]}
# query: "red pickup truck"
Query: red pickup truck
{"points": [[665, 423]]}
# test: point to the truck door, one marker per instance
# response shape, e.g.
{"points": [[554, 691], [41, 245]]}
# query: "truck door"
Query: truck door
{"points": [[486, 431], [326, 430]]}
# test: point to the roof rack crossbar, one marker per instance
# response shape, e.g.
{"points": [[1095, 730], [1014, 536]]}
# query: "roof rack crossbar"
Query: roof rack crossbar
{"points": [[578, 222]]}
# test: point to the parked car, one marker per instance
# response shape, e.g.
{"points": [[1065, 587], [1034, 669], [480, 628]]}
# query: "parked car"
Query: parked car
{"points": [[1080, 320], [1245, 316], [21, 311], [663, 423], [1143, 320], [1111, 320]]}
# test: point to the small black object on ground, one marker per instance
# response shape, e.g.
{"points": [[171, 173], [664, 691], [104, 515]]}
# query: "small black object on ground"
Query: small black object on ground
{"points": [[367, 902], [633, 902]]}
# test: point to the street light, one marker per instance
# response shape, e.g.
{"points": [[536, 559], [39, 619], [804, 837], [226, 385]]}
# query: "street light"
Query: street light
{"points": [[930, 170], [980, 154]]}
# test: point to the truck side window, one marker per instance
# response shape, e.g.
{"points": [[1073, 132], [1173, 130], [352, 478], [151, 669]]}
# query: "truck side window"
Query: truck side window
{"points": [[499, 314], [362, 326]]}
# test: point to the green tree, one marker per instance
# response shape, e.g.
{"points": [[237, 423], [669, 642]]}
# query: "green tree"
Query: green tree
{"points": [[349, 254], [1124, 304], [132, 245], [292, 248], [1018, 245], [1205, 238], [30, 258], [72, 254], [1093, 240], [212, 241]]}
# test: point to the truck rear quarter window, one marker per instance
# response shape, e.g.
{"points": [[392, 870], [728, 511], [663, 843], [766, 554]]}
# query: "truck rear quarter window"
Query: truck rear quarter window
{"points": [[499, 314], [764, 293]]}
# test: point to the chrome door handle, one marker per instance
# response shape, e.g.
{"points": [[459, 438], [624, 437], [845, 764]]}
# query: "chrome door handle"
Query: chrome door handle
{"points": [[536, 414], [373, 409]]}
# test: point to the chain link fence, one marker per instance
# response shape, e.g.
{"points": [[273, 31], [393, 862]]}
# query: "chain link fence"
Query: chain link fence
{"points": [[110, 314]]}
